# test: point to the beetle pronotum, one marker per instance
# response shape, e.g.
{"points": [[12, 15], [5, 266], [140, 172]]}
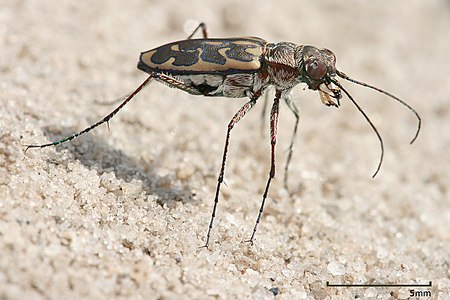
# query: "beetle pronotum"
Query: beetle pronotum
{"points": [[245, 67]]}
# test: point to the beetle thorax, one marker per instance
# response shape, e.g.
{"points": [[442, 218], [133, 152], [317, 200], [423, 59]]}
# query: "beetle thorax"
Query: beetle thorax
{"points": [[280, 65]]}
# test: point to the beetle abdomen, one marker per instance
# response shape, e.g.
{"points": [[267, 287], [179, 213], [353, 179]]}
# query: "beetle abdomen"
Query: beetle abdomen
{"points": [[205, 56]]}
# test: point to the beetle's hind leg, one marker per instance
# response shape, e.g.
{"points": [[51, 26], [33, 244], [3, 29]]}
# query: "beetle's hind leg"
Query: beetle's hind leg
{"points": [[106, 119], [293, 108], [201, 26], [175, 83], [204, 31]]}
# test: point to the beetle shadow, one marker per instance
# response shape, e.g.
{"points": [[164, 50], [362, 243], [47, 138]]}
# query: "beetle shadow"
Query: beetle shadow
{"points": [[94, 153]]}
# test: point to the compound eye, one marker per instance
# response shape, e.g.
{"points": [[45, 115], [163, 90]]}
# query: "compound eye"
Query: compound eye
{"points": [[316, 69]]}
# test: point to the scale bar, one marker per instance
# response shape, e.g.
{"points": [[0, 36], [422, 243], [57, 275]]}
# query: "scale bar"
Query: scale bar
{"points": [[379, 285]]}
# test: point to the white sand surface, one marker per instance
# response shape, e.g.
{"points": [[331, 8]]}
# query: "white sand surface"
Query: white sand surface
{"points": [[121, 213]]}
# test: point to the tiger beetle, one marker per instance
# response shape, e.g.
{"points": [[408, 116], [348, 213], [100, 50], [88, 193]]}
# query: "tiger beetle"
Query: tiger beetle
{"points": [[245, 67]]}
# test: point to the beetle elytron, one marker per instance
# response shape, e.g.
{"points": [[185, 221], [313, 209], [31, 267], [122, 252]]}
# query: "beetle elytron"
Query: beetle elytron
{"points": [[245, 67]]}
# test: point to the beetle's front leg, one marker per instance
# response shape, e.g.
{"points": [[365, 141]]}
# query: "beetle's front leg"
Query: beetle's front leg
{"points": [[236, 118]]}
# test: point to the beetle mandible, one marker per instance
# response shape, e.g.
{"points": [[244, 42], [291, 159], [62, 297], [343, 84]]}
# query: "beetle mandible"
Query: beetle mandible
{"points": [[244, 67]]}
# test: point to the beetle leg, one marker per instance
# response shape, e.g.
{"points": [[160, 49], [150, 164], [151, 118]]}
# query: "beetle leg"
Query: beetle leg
{"points": [[104, 120], [264, 109], [236, 118], [204, 31], [294, 110], [175, 83], [273, 140]]}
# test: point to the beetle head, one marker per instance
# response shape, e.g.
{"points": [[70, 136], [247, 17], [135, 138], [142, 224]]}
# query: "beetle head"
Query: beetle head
{"points": [[317, 69]]}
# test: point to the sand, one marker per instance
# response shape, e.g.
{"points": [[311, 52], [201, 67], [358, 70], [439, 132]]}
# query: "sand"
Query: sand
{"points": [[121, 213]]}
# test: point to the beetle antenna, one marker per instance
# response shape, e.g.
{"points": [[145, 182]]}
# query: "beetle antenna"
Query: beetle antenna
{"points": [[370, 122], [345, 76]]}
